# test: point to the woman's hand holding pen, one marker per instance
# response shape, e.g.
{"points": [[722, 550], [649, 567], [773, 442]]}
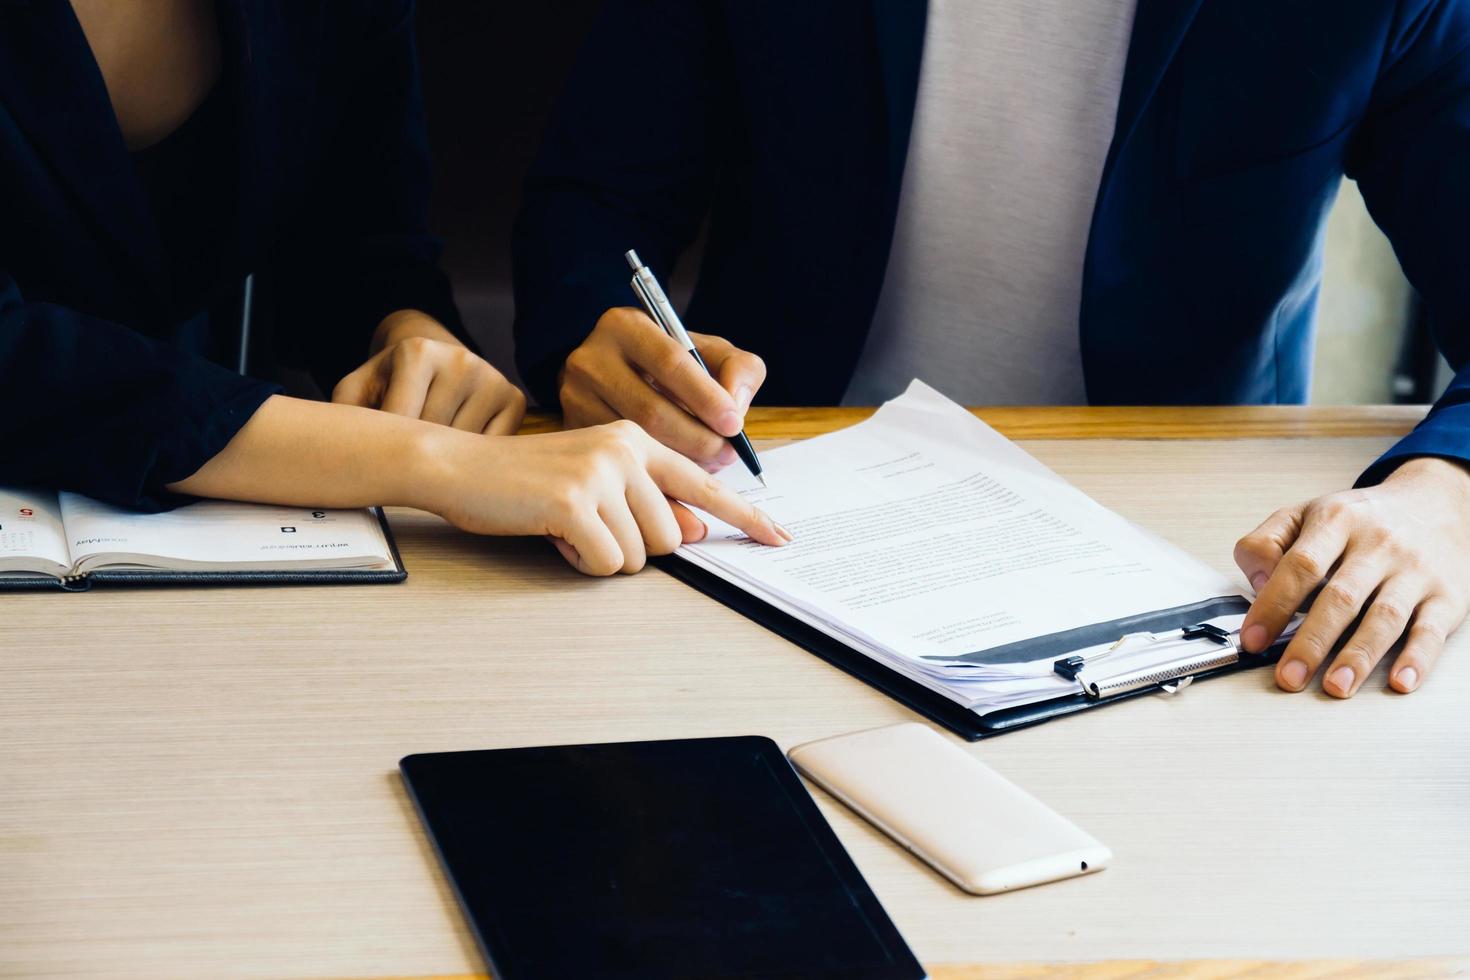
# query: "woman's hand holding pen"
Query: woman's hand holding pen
{"points": [[1387, 563], [605, 496], [421, 370], [628, 368]]}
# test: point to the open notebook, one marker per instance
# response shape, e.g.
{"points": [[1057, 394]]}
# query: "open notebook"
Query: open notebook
{"points": [[65, 540], [937, 560]]}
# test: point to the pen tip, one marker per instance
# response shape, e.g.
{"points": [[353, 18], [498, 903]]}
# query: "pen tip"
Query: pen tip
{"points": [[763, 481]]}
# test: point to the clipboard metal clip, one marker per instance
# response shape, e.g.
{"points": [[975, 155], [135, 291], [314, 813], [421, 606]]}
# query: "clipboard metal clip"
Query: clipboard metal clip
{"points": [[1186, 653]]}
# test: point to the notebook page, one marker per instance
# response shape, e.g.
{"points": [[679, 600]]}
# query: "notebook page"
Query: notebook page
{"points": [[222, 535], [926, 533], [31, 535]]}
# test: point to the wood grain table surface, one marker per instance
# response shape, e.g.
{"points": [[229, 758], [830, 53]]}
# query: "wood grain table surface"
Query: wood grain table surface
{"points": [[202, 783]]}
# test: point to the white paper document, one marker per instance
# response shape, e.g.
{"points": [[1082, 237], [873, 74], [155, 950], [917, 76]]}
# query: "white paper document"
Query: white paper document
{"points": [[922, 535]]}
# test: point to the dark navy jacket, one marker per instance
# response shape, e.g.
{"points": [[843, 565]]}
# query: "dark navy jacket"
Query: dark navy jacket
{"points": [[96, 395], [787, 123]]}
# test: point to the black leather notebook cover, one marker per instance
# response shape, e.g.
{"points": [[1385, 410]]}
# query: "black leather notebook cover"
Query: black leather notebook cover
{"points": [[133, 577], [937, 708]]}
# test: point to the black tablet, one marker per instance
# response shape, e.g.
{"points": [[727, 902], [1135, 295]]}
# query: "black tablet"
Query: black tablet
{"points": [[690, 858]]}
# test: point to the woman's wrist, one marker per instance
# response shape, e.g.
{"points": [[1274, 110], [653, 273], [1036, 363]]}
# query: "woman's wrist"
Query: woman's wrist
{"points": [[431, 463]]}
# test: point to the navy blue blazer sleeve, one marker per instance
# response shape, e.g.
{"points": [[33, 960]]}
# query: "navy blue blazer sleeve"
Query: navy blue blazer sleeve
{"points": [[627, 162], [1411, 158], [96, 407], [363, 250]]}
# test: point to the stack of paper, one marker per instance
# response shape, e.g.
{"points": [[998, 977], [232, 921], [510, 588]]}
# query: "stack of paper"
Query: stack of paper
{"points": [[929, 542]]}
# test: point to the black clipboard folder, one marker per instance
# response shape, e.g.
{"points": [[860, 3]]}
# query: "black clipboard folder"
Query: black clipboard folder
{"points": [[957, 718]]}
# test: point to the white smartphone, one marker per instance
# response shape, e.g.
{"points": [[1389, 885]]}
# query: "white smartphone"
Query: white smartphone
{"points": [[972, 825]]}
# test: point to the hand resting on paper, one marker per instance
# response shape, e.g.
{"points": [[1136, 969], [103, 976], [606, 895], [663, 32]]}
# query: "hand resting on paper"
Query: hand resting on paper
{"points": [[1388, 563]]}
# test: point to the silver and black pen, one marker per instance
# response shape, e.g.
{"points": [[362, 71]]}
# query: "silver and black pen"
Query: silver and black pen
{"points": [[662, 311]]}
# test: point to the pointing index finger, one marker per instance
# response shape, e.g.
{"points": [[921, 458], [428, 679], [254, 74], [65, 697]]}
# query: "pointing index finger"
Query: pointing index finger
{"points": [[682, 480]]}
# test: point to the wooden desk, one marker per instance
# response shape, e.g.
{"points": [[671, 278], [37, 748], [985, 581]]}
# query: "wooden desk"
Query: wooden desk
{"points": [[202, 783]]}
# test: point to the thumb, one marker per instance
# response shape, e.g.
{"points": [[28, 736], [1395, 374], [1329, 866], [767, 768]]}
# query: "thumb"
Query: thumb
{"points": [[690, 527], [1259, 552]]}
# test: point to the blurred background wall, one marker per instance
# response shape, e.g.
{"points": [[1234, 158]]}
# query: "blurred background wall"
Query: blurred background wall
{"points": [[492, 72]]}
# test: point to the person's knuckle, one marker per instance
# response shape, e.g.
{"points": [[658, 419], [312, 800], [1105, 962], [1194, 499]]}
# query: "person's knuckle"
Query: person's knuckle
{"points": [[1305, 564], [664, 540], [710, 487], [1287, 515], [1408, 558], [414, 349], [580, 365], [1427, 631], [1374, 535], [611, 452], [1340, 597], [671, 361], [624, 431], [1390, 611], [601, 565], [611, 320], [622, 455], [566, 500], [574, 405], [1311, 646], [1251, 546]]}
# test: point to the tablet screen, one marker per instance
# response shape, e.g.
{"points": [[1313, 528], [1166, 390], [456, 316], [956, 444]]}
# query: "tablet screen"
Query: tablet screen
{"points": [[686, 858]]}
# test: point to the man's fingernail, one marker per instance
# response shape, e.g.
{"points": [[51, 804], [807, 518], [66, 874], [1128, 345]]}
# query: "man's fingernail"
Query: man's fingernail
{"points": [[727, 455], [743, 395], [1294, 674], [1408, 679], [782, 531], [703, 531], [1259, 580], [1342, 678], [1254, 638], [729, 424]]}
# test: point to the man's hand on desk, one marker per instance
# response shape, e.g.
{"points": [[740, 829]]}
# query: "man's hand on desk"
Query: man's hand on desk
{"points": [[1397, 555], [421, 370], [629, 368]]}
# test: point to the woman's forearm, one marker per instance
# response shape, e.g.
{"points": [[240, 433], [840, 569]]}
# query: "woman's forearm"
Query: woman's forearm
{"points": [[308, 453], [603, 493]]}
